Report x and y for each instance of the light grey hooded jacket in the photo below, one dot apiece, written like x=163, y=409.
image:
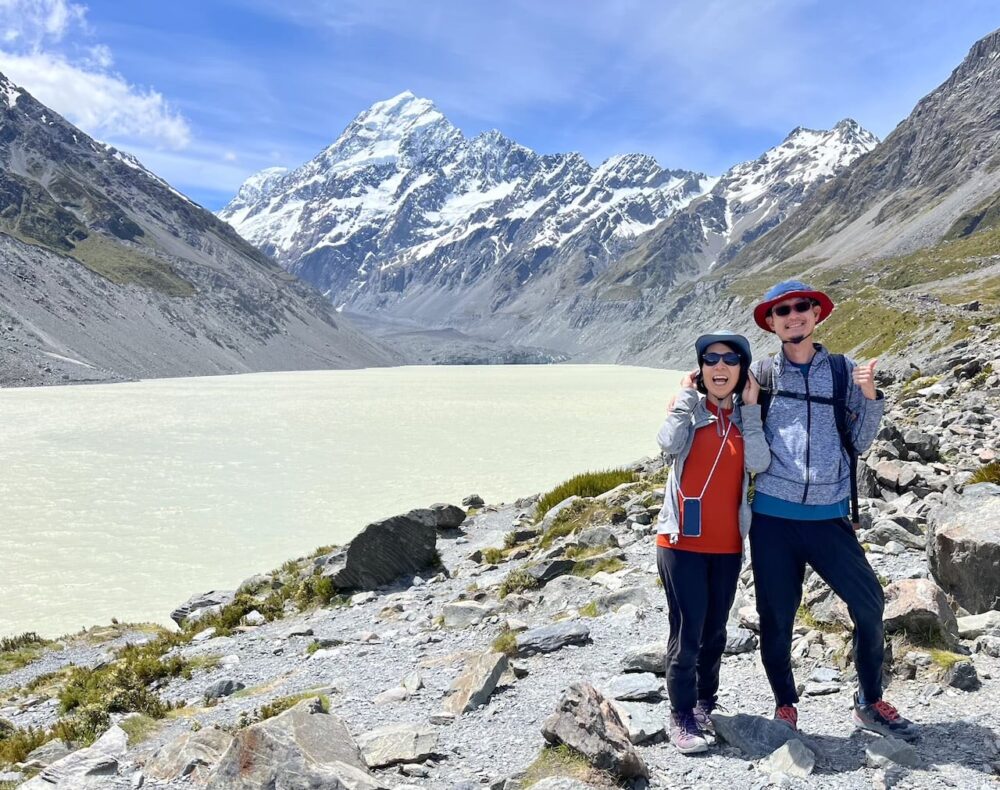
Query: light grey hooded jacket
x=676, y=436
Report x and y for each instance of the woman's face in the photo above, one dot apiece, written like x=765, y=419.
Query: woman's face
x=720, y=378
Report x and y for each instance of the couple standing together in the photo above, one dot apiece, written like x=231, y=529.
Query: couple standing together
x=800, y=434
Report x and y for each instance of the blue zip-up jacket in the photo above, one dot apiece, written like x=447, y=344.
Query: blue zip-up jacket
x=676, y=437
x=809, y=464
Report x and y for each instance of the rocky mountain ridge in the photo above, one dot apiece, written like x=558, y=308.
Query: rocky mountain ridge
x=111, y=274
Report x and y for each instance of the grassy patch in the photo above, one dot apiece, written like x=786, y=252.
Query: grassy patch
x=19, y=651
x=804, y=616
x=506, y=643
x=589, y=610
x=563, y=761
x=139, y=728
x=945, y=658
x=868, y=326
x=979, y=380
x=581, y=514
x=127, y=266
x=278, y=706
x=586, y=569
x=990, y=473
x=588, y=484
x=19, y=743
x=918, y=383
x=516, y=582
x=493, y=556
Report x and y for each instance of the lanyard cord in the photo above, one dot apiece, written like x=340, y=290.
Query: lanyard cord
x=722, y=446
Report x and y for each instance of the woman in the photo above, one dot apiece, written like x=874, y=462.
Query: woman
x=714, y=442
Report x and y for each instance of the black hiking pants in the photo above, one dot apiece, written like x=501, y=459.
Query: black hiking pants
x=780, y=549
x=700, y=590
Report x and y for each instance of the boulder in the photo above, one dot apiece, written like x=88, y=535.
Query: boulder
x=634, y=687
x=924, y=445
x=549, y=638
x=612, y=601
x=976, y=625
x=198, y=606
x=398, y=743
x=963, y=547
x=962, y=675
x=300, y=749
x=884, y=752
x=651, y=657
x=474, y=685
x=191, y=754
x=793, y=758
x=462, y=614
x=223, y=688
x=587, y=721
x=597, y=536
x=555, y=510
x=547, y=570
x=990, y=645
x=755, y=736
x=447, y=516
x=473, y=500
x=642, y=722
x=46, y=754
x=384, y=551
x=920, y=608
x=739, y=640
x=84, y=768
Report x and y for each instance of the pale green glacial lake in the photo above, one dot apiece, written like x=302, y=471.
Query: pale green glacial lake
x=123, y=500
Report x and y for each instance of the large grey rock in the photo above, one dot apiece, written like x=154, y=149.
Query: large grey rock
x=191, y=754
x=384, y=551
x=85, y=768
x=597, y=536
x=473, y=687
x=885, y=531
x=46, y=754
x=963, y=547
x=990, y=645
x=223, y=688
x=398, y=743
x=884, y=752
x=739, y=640
x=755, y=736
x=586, y=721
x=920, y=608
x=650, y=657
x=462, y=614
x=962, y=675
x=550, y=638
x=447, y=516
x=634, y=686
x=925, y=445
x=975, y=625
x=793, y=758
x=550, y=515
x=613, y=601
x=300, y=749
x=642, y=721
x=547, y=570
x=197, y=606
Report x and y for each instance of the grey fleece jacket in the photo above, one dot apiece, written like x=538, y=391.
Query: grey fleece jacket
x=676, y=436
x=808, y=462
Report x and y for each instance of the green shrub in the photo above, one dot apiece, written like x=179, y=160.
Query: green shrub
x=19, y=651
x=510, y=540
x=506, y=643
x=18, y=744
x=139, y=728
x=493, y=556
x=517, y=581
x=990, y=473
x=27, y=639
x=588, y=484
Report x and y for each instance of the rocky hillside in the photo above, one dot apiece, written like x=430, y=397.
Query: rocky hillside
x=407, y=221
x=110, y=274
x=502, y=647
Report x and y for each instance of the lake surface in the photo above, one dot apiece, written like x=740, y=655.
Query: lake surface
x=123, y=500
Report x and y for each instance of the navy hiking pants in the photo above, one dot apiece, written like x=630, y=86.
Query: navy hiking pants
x=700, y=591
x=780, y=549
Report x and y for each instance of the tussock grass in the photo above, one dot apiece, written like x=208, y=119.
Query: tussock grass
x=587, y=569
x=493, y=556
x=990, y=473
x=564, y=761
x=506, y=643
x=589, y=610
x=517, y=581
x=587, y=484
x=281, y=704
x=139, y=728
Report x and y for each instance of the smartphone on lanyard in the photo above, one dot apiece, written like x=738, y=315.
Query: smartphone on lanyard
x=691, y=518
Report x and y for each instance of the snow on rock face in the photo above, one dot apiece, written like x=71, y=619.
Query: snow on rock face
x=9, y=91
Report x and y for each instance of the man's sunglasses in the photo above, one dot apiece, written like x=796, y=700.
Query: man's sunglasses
x=731, y=358
x=799, y=307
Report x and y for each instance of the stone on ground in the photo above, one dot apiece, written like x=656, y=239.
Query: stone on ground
x=793, y=758
x=398, y=743
x=755, y=736
x=473, y=687
x=549, y=638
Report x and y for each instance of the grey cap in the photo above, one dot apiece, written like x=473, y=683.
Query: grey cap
x=733, y=339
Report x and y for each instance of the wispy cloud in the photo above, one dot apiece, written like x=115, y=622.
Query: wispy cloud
x=78, y=80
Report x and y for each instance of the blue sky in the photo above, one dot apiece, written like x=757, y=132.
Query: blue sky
x=206, y=92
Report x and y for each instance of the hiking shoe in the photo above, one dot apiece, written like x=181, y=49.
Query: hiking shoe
x=883, y=718
x=703, y=716
x=788, y=716
x=685, y=733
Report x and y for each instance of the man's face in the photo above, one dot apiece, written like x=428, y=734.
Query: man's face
x=795, y=323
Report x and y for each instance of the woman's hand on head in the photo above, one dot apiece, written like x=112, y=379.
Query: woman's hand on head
x=688, y=382
x=751, y=392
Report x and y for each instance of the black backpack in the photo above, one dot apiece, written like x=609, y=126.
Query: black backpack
x=838, y=367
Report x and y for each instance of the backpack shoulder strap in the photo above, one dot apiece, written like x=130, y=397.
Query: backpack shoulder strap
x=767, y=386
x=841, y=382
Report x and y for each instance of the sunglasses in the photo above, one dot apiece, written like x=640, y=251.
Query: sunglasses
x=799, y=307
x=731, y=358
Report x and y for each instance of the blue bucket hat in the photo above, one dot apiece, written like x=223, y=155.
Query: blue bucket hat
x=740, y=343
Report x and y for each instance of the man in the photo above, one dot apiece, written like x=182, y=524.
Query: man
x=801, y=502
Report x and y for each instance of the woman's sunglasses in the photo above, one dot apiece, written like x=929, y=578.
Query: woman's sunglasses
x=786, y=309
x=731, y=358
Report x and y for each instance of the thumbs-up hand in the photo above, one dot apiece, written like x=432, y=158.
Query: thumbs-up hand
x=864, y=377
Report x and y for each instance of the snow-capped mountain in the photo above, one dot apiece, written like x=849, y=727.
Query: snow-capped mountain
x=402, y=195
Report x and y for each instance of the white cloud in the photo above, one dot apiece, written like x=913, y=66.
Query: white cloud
x=37, y=40
x=31, y=23
x=100, y=102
